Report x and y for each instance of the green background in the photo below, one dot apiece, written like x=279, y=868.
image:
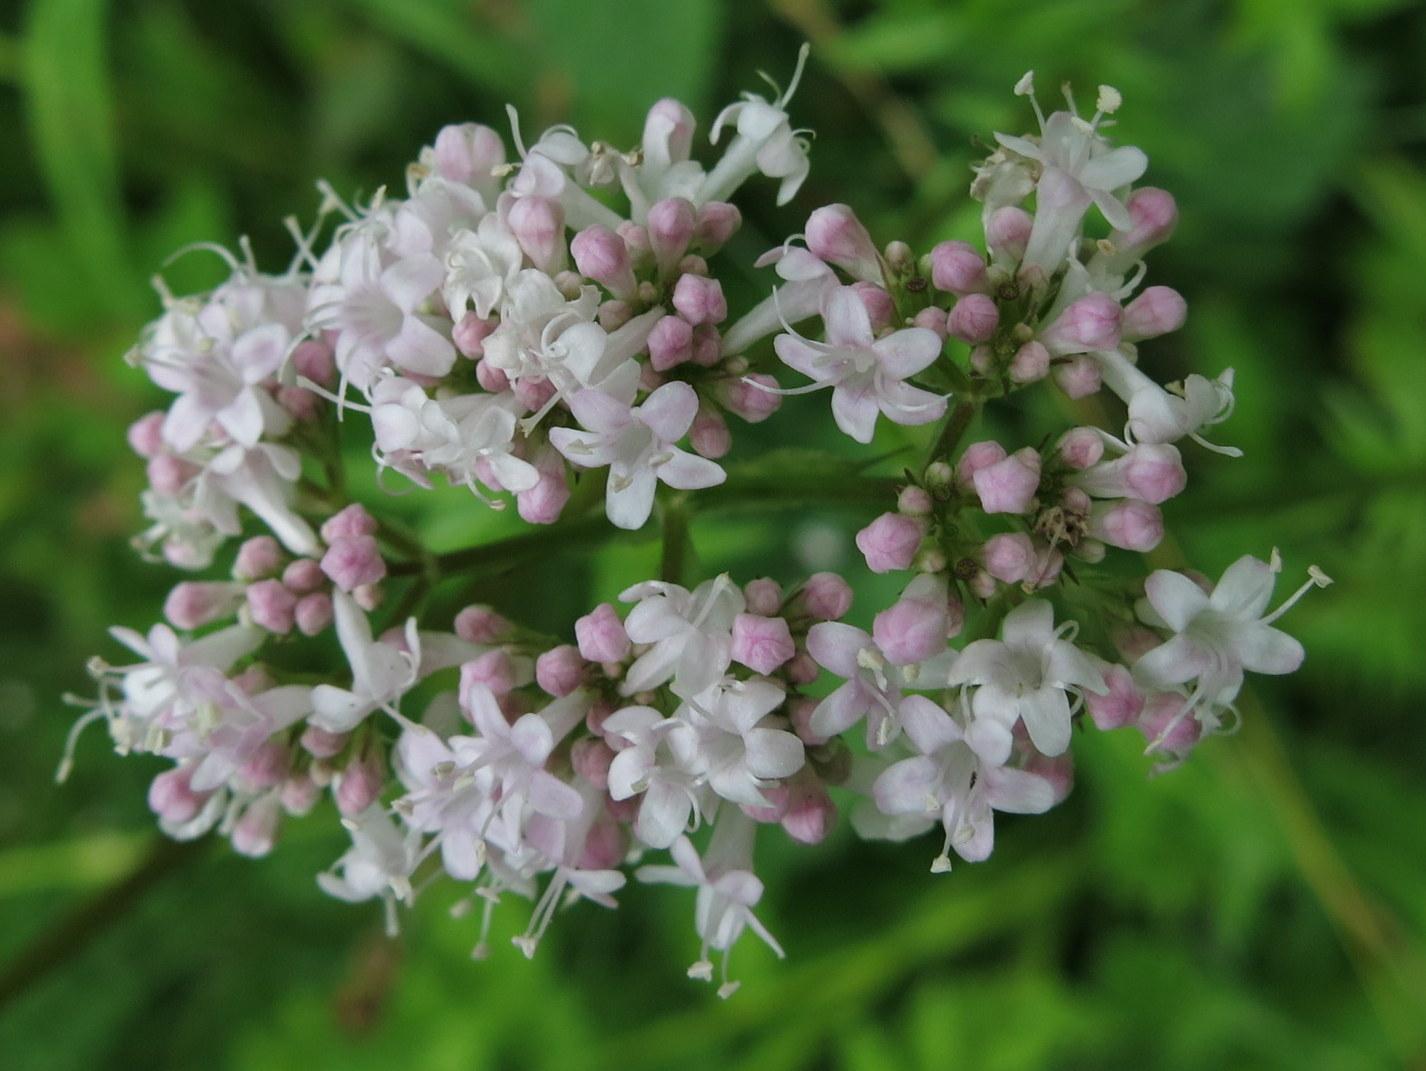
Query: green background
x=1262, y=907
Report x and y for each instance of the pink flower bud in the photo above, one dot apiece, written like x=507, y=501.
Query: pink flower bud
x=826, y=596
x=172, y=798
x=591, y=759
x=709, y=435
x=258, y=557
x=352, y=521
x=313, y=613
x=468, y=152
x=1153, y=472
x=353, y=561
x=1007, y=232
x=777, y=796
x=1091, y=323
x=898, y=257
x=670, y=225
x=1081, y=448
x=255, y=831
x=168, y=474
x=1030, y=364
x=914, y=501
x=932, y=318
x=803, y=668
x=1009, y=557
x=636, y=241
x=481, y=624
x=799, y=712
x=533, y=393
x=369, y=596
x=543, y=503
x=1155, y=215
x=750, y=402
x=321, y=744
x=538, y=225
x=1079, y=377
x=601, y=254
x=493, y=670
x=601, y=635
x=313, y=360
x=1157, y=311
x=810, y=813
x=1058, y=772
x=692, y=264
x=303, y=576
x=271, y=606
x=1128, y=524
x=1009, y=485
x=977, y=457
x=614, y=314
x=1120, y=705
x=973, y=319
x=761, y=643
x=717, y=222
x=958, y=268
x=880, y=309
x=560, y=670
x=834, y=234
x=670, y=342
x=699, y=300
x=299, y=403
x=145, y=435
x=707, y=345
x=763, y=596
x=912, y=629
x=268, y=766
x=299, y=794
x=470, y=333
x=982, y=585
x=890, y=542
x=1160, y=711
x=955, y=616
x=193, y=604
x=359, y=785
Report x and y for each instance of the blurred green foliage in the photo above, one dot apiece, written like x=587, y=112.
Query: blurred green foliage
x=1263, y=907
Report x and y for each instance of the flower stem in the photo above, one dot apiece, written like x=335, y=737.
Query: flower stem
x=957, y=421
x=673, y=561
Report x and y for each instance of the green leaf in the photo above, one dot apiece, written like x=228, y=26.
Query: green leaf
x=66, y=81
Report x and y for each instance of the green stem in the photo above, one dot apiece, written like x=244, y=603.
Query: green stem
x=673, y=561
x=781, y=491
x=952, y=430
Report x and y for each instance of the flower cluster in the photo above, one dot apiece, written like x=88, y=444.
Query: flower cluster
x=505, y=328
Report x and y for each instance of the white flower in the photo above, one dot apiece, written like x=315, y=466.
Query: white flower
x=163, y=692
x=262, y=478
x=637, y=443
x=226, y=732
x=448, y=794
x=381, y=673
x=765, y=142
x=455, y=435
x=1215, y=637
x=1027, y=675
x=950, y=781
x=480, y=267
x=379, y=863
x=872, y=686
x=516, y=755
x=545, y=335
x=1077, y=167
x=647, y=765
x=435, y=213
x=865, y=373
x=722, y=739
x=690, y=634
x=375, y=310
x=728, y=891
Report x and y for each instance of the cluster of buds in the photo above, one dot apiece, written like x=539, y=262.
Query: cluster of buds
x=507, y=330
